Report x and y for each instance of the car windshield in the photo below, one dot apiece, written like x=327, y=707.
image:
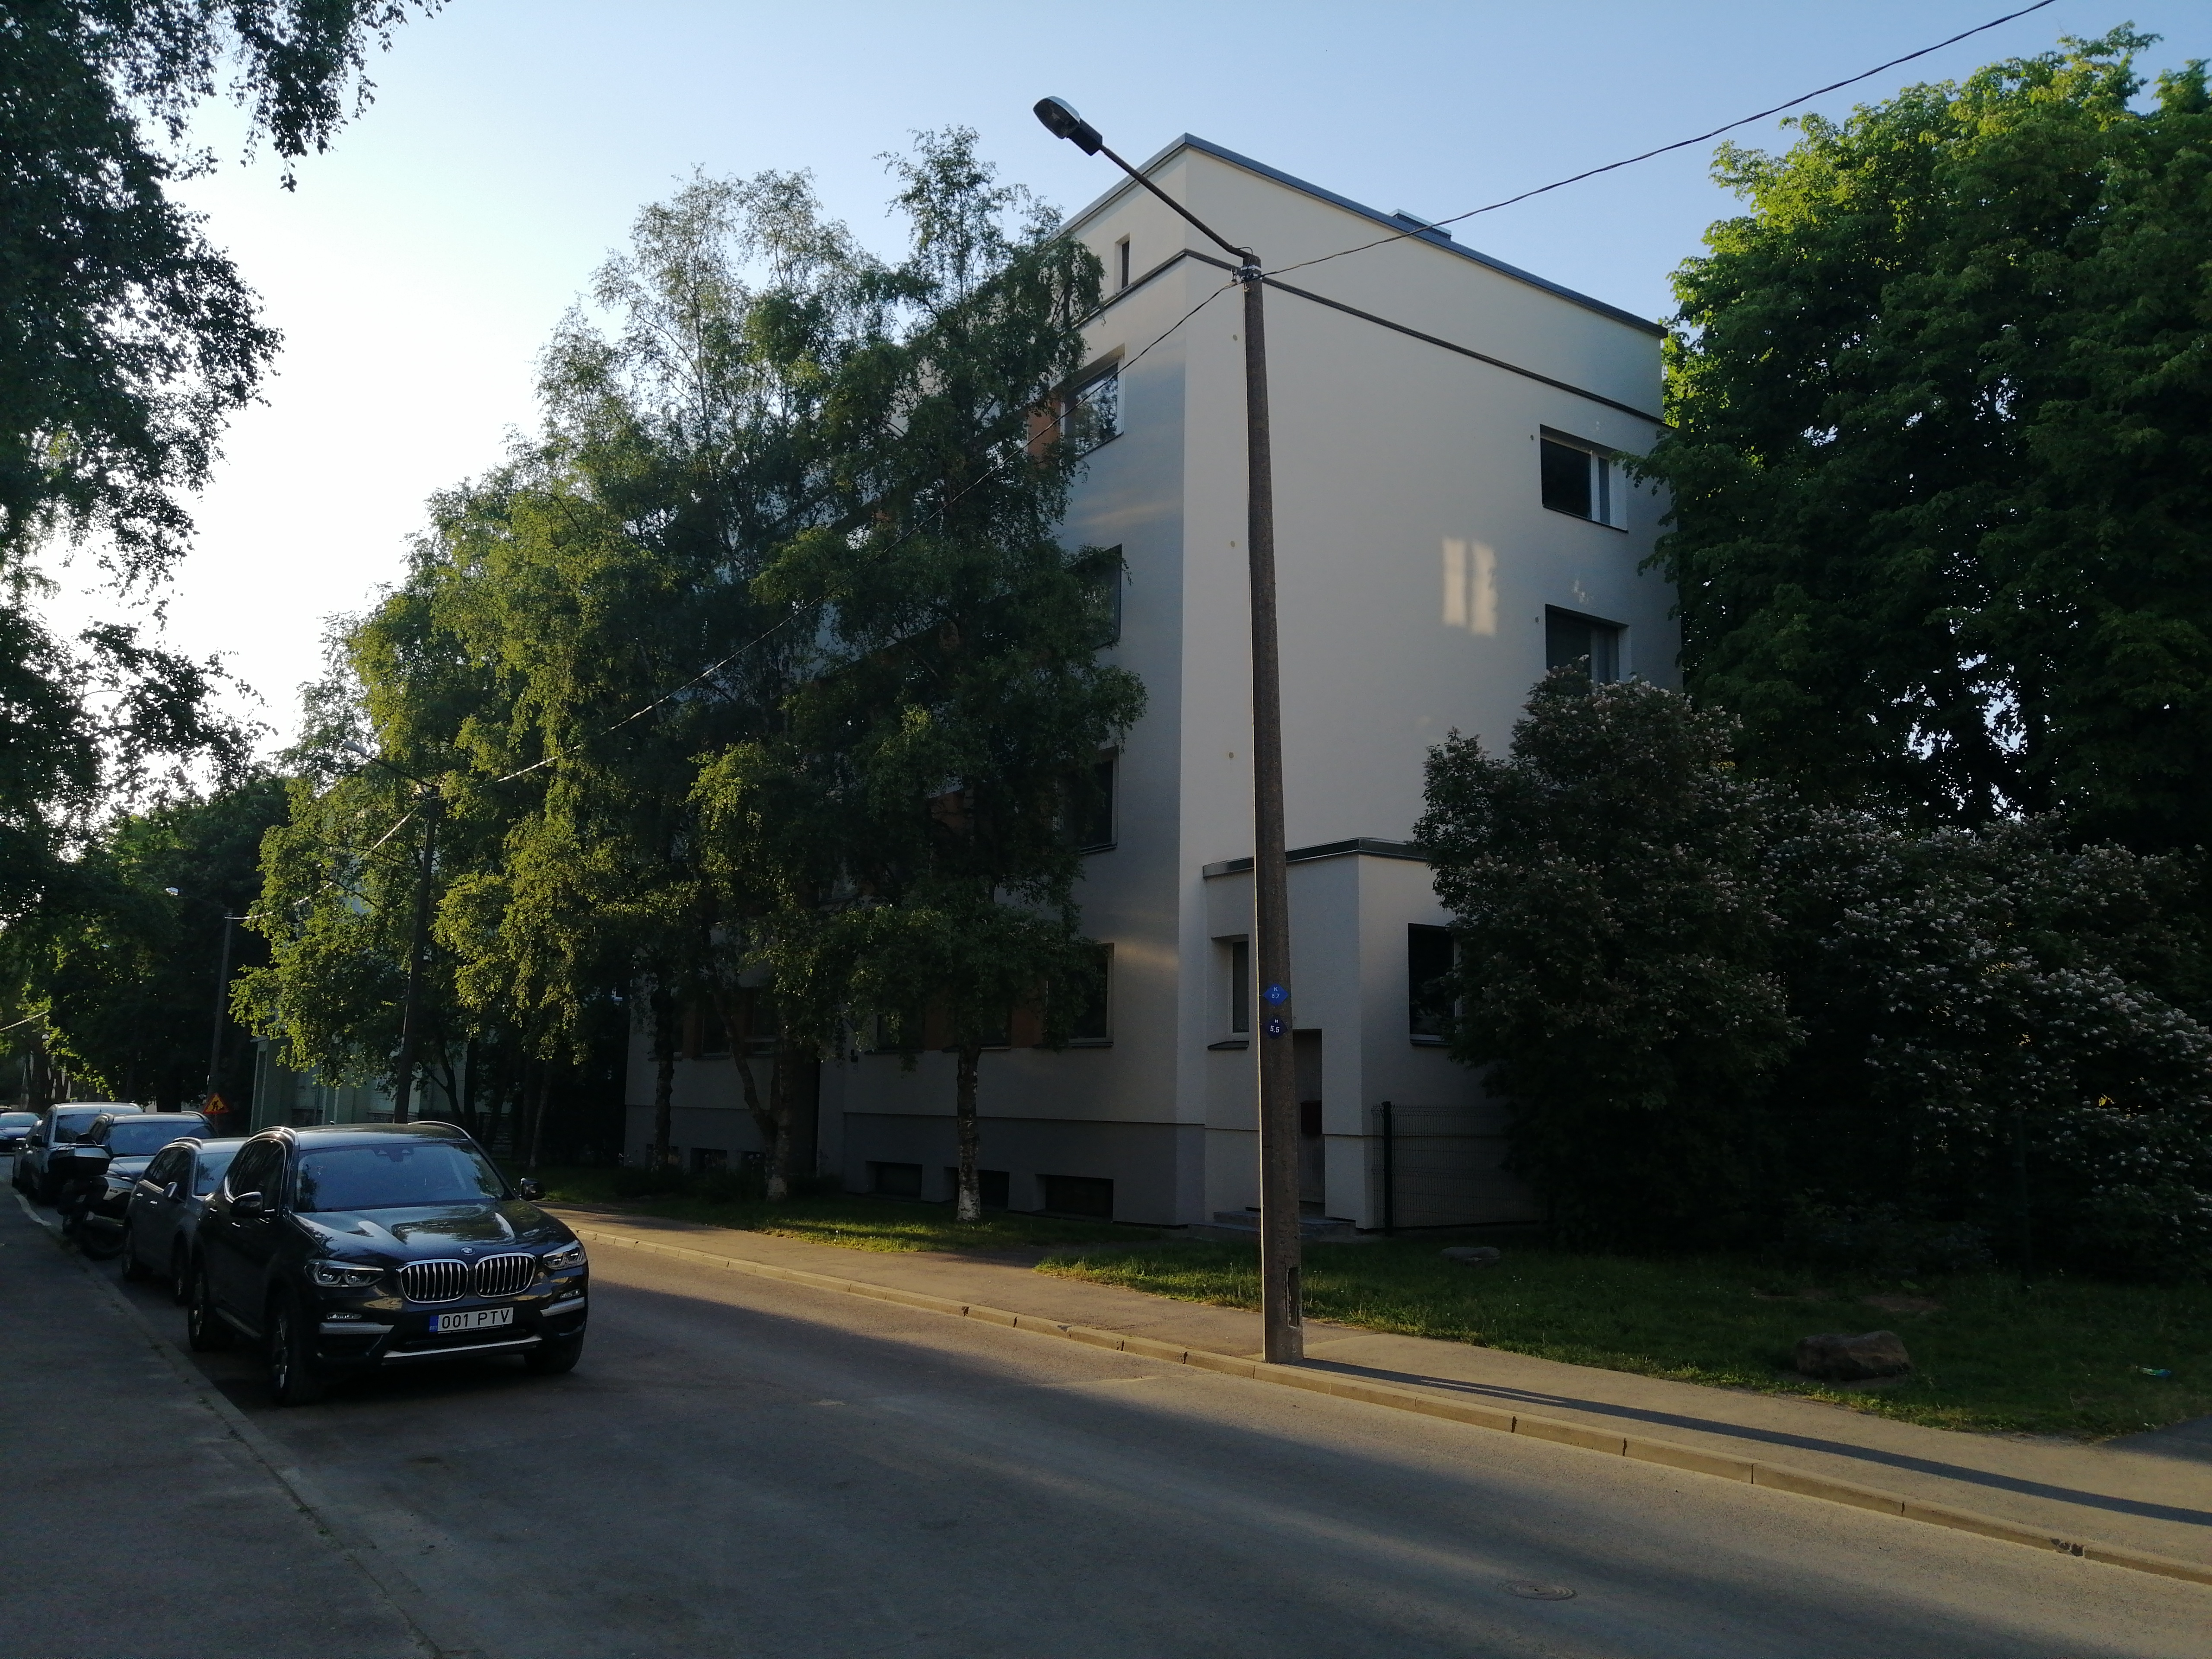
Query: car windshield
x=17, y=1119
x=214, y=1160
x=395, y=1177
x=136, y=1137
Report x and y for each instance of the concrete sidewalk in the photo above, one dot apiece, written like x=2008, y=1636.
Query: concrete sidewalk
x=139, y=1523
x=2152, y=1493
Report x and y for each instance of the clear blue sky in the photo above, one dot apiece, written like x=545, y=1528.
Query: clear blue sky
x=418, y=268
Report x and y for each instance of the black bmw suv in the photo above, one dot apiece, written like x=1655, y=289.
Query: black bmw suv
x=341, y=1249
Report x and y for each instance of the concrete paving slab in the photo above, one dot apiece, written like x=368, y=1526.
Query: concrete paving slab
x=139, y=1525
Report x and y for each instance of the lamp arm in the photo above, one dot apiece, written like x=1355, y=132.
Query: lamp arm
x=1244, y=255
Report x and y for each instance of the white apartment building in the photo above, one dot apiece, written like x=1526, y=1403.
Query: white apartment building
x=1449, y=521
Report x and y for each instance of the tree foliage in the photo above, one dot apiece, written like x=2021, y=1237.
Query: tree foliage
x=126, y=339
x=1615, y=925
x=1942, y=434
x=123, y=981
x=126, y=342
x=754, y=681
x=1712, y=1005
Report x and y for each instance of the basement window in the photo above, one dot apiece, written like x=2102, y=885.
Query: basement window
x=894, y=1180
x=1086, y=1196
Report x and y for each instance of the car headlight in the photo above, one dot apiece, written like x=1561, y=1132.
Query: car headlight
x=338, y=1277
x=568, y=1256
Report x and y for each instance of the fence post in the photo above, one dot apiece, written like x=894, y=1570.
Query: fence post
x=1390, y=1176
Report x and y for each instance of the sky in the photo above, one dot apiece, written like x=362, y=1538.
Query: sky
x=418, y=268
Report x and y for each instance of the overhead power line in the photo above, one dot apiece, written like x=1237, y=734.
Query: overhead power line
x=1680, y=143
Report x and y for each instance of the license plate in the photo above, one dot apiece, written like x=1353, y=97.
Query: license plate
x=476, y=1319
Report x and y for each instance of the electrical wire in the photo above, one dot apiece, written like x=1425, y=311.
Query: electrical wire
x=1680, y=143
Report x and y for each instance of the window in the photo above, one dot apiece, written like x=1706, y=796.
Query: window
x=708, y=1160
x=258, y=1169
x=1089, y=816
x=1578, y=478
x=1093, y=1024
x=757, y=1021
x=1428, y=988
x=1106, y=596
x=712, y=1031
x=1090, y=414
x=1079, y=1195
x=894, y=1180
x=405, y=1174
x=213, y=1161
x=992, y=1186
x=1572, y=639
x=1122, y=264
x=1240, y=986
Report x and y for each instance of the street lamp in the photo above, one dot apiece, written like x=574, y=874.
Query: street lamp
x=1279, y=1313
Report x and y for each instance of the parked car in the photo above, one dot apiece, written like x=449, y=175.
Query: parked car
x=130, y=1139
x=338, y=1251
x=60, y=1126
x=14, y=1129
x=163, y=1213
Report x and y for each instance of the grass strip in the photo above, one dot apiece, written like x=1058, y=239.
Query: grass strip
x=2065, y=1356
x=848, y=1221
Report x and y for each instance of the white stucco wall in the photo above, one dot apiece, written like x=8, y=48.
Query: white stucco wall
x=1415, y=562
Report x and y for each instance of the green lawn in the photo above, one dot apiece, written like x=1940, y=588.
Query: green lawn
x=857, y=1224
x=2063, y=1357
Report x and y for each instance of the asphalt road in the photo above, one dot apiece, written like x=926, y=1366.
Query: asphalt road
x=740, y=1467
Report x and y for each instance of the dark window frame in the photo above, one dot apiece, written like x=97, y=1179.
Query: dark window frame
x=1599, y=490
x=1083, y=394
x=1427, y=1021
x=1604, y=639
x=1240, y=986
x=1094, y=813
x=1103, y=1037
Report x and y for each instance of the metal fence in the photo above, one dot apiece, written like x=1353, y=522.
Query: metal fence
x=1440, y=1166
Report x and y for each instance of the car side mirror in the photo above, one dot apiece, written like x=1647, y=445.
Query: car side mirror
x=249, y=1204
x=529, y=1189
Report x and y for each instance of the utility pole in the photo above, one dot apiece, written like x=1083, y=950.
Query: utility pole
x=410, y=1015
x=1281, y=1316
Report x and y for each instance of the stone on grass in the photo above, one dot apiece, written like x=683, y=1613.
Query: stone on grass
x=1836, y=1358
x=1472, y=1255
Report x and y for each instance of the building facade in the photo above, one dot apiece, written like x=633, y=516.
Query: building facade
x=1451, y=519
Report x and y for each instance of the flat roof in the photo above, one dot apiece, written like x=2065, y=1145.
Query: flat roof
x=1435, y=238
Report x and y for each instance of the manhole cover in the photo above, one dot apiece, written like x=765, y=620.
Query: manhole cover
x=1536, y=1592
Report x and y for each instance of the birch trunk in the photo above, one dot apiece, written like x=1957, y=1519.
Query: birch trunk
x=971, y=1206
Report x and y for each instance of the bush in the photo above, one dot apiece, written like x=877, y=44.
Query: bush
x=1721, y=1015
